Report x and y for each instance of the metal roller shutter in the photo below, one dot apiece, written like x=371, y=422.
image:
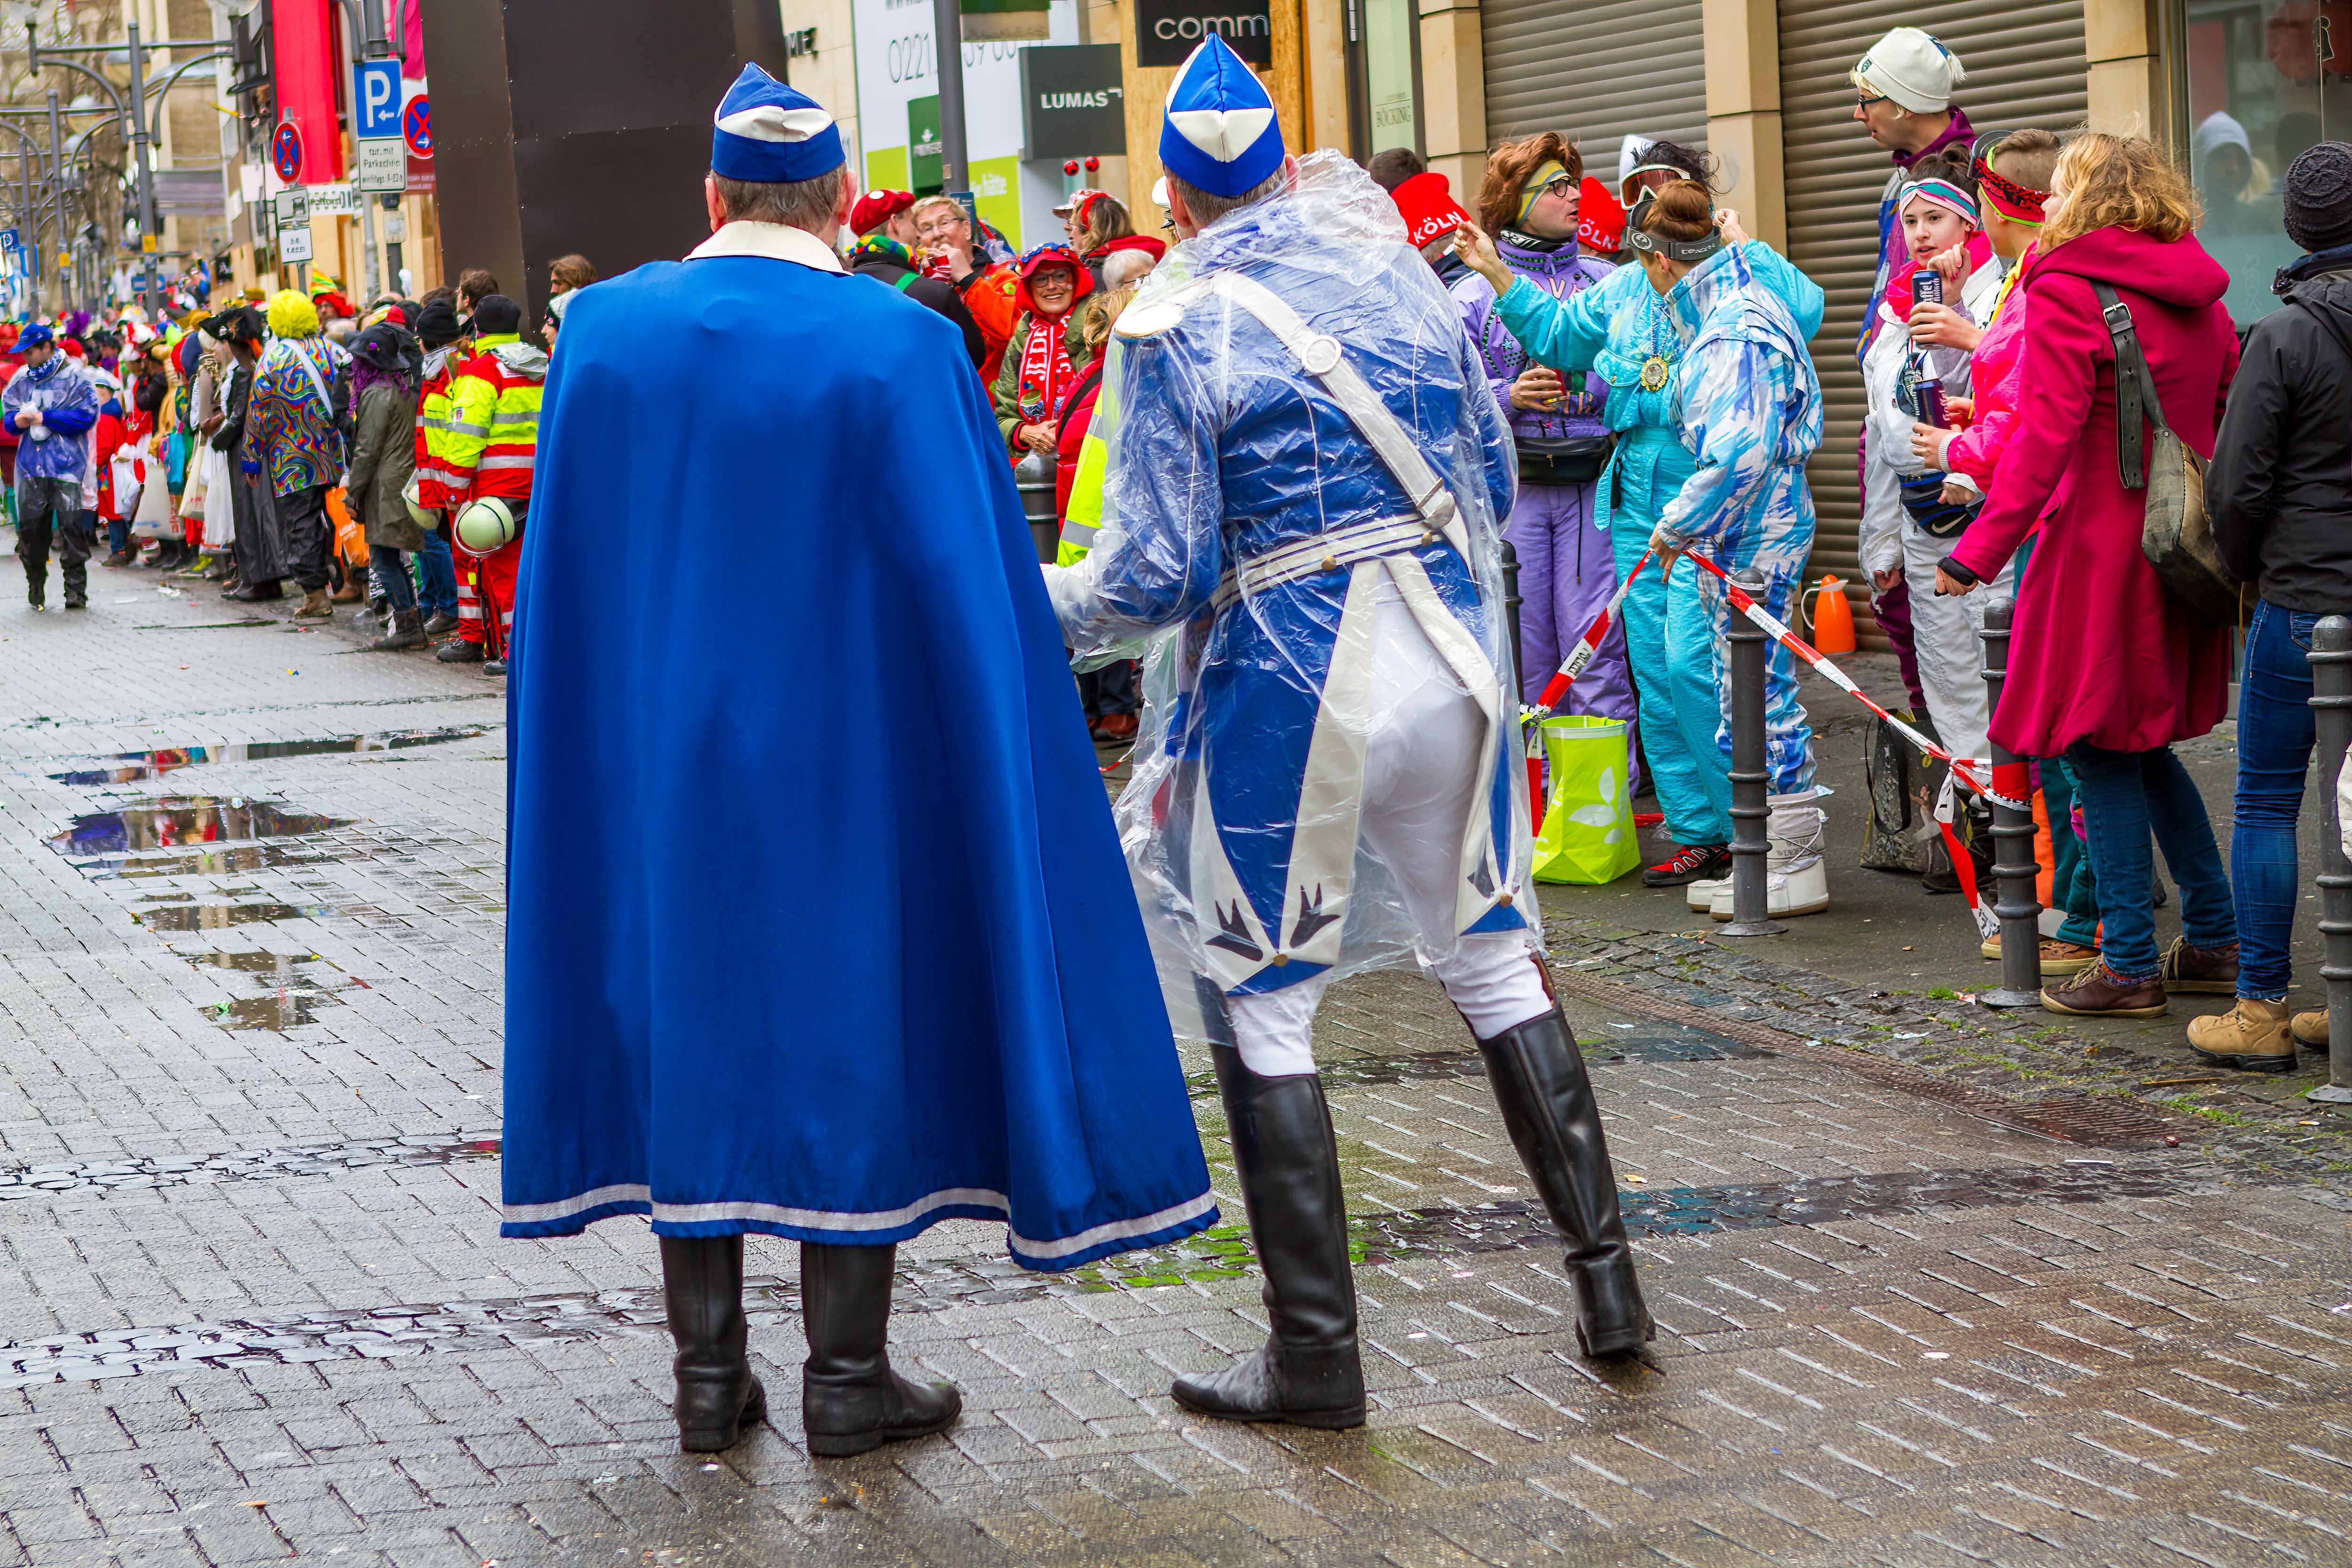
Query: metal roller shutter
x=2025, y=67
x=1595, y=72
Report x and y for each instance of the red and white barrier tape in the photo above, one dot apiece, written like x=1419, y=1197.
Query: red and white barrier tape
x=2008, y=786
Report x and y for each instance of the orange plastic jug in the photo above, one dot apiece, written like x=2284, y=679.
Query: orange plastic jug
x=1830, y=618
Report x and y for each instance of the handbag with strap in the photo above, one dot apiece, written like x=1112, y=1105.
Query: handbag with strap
x=2175, y=535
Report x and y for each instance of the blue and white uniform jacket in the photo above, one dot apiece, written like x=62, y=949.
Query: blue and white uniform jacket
x=58, y=447
x=1749, y=407
x=1298, y=427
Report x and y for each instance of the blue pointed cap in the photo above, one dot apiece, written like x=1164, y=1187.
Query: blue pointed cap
x=1220, y=135
x=772, y=134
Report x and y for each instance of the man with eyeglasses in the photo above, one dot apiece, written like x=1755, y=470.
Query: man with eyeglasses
x=1904, y=100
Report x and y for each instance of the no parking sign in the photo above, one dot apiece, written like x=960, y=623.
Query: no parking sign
x=286, y=151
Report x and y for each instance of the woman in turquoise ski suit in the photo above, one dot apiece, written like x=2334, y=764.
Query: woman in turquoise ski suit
x=1616, y=329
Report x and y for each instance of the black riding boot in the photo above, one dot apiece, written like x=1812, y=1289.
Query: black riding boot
x=850, y=1399
x=1547, y=1102
x=719, y=1400
x=1308, y=1372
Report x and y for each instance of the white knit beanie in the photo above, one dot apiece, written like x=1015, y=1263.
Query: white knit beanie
x=1911, y=68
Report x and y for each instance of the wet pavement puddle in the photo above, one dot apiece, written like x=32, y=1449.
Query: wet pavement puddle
x=168, y=822
x=137, y=767
x=221, y=916
x=101, y=1176
x=1222, y=1253
x=288, y=1003
x=1613, y=1043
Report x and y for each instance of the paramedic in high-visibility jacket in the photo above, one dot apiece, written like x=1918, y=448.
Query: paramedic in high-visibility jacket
x=493, y=442
x=1302, y=472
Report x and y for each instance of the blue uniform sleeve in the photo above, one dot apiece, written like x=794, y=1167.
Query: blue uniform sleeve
x=1800, y=293
x=1566, y=334
x=1732, y=415
x=13, y=398
x=76, y=412
x=1159, y=554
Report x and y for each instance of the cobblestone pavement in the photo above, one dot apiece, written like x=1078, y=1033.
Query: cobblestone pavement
x=1936, y=1286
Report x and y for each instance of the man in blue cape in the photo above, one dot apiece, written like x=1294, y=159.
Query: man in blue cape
x=818, y=925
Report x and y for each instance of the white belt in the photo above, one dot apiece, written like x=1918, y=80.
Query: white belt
x=1322, y=552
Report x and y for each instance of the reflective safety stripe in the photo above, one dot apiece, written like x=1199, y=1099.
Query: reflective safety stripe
x=426, y=422
x=522, y=460
x=464, y=429
x=516, y=416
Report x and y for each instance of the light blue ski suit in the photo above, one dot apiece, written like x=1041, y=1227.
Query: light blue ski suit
x=1615, y=329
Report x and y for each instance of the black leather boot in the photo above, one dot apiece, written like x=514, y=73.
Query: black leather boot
x=1308, y=1373
x=719, y=1400
x=1547, y=1102
x=851, y=1401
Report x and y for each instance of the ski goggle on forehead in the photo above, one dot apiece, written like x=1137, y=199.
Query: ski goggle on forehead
x=1698, y=249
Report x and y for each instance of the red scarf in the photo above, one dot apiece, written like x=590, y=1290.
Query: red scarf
x=1045, y=367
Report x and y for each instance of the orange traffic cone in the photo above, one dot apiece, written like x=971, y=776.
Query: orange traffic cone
x=1832, y=620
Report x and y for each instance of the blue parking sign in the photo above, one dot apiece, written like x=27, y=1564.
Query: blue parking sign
x=376, y=100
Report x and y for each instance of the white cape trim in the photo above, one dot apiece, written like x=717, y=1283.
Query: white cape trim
x=776, y=241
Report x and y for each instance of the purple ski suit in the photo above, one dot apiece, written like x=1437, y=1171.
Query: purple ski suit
x=1567, y=569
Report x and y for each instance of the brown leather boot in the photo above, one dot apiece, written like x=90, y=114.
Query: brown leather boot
x=316, y=606
x=2208, y=969
x=2310, y=1030
x=2249, y=1037
x=2100, y=993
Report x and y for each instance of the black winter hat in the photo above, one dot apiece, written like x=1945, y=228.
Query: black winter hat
x=2319, y=196
x=498, y=314
x=436, y=324
x=386, y=347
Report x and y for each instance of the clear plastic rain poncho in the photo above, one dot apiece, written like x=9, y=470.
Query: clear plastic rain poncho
x=1303, y=477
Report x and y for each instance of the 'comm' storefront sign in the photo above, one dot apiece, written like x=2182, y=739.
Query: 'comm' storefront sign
x=1166, y=31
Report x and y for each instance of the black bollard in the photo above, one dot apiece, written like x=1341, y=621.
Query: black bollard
x=2331, y=702
x=1750, y=780
x=1033, y=476
x=2016, y=902
x=1511, y=603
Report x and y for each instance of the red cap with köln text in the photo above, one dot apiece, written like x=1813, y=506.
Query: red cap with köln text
x=1429, y=208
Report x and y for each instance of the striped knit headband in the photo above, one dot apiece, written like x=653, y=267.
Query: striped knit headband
x=2018, y=204
x=1536, y=183
x=1942, y=194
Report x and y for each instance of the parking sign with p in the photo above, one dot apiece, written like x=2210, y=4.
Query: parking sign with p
x=376, y=100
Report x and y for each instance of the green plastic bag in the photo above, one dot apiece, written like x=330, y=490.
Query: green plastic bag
x=1588, y=823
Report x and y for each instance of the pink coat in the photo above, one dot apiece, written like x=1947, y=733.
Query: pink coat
x=2102, y=651
x=1995, y=370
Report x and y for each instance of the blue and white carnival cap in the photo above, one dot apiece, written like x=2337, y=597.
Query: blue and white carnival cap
x=771, y=134
x=1220, y=135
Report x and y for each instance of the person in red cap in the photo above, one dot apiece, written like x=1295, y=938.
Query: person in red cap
x=1036, y=369
x=1431, y=215
x=892, y=212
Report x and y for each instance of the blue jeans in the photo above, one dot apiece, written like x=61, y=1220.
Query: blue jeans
x=390, y=569
x=2275, y=740
x=439, y=575
x=2124, y=796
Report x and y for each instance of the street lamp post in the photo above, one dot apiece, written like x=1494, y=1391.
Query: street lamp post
x=150, y=234
x=947, y=33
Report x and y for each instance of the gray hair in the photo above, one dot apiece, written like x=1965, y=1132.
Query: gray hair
x=1207, y=209
x=798, y=203
x=1122, y=267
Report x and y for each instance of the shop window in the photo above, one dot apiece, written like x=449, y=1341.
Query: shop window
x=1384, y=75
x=2265, y=81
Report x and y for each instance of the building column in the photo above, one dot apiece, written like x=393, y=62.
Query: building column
x=2127, y=82
x=1453, y=94
x=1743, y=112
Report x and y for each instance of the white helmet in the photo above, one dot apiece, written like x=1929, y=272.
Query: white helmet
x=485, y=525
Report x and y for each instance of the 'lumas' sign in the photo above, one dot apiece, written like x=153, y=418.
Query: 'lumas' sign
x=1072, y=102
x=1166, y=31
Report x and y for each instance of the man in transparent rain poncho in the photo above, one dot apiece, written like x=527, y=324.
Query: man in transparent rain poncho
x=1300, y=474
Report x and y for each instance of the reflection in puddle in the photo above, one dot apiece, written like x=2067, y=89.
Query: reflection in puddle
x=204, y=862
x=170, y=822
x=287, y=1005
x=220, y=917
x=134, y=767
